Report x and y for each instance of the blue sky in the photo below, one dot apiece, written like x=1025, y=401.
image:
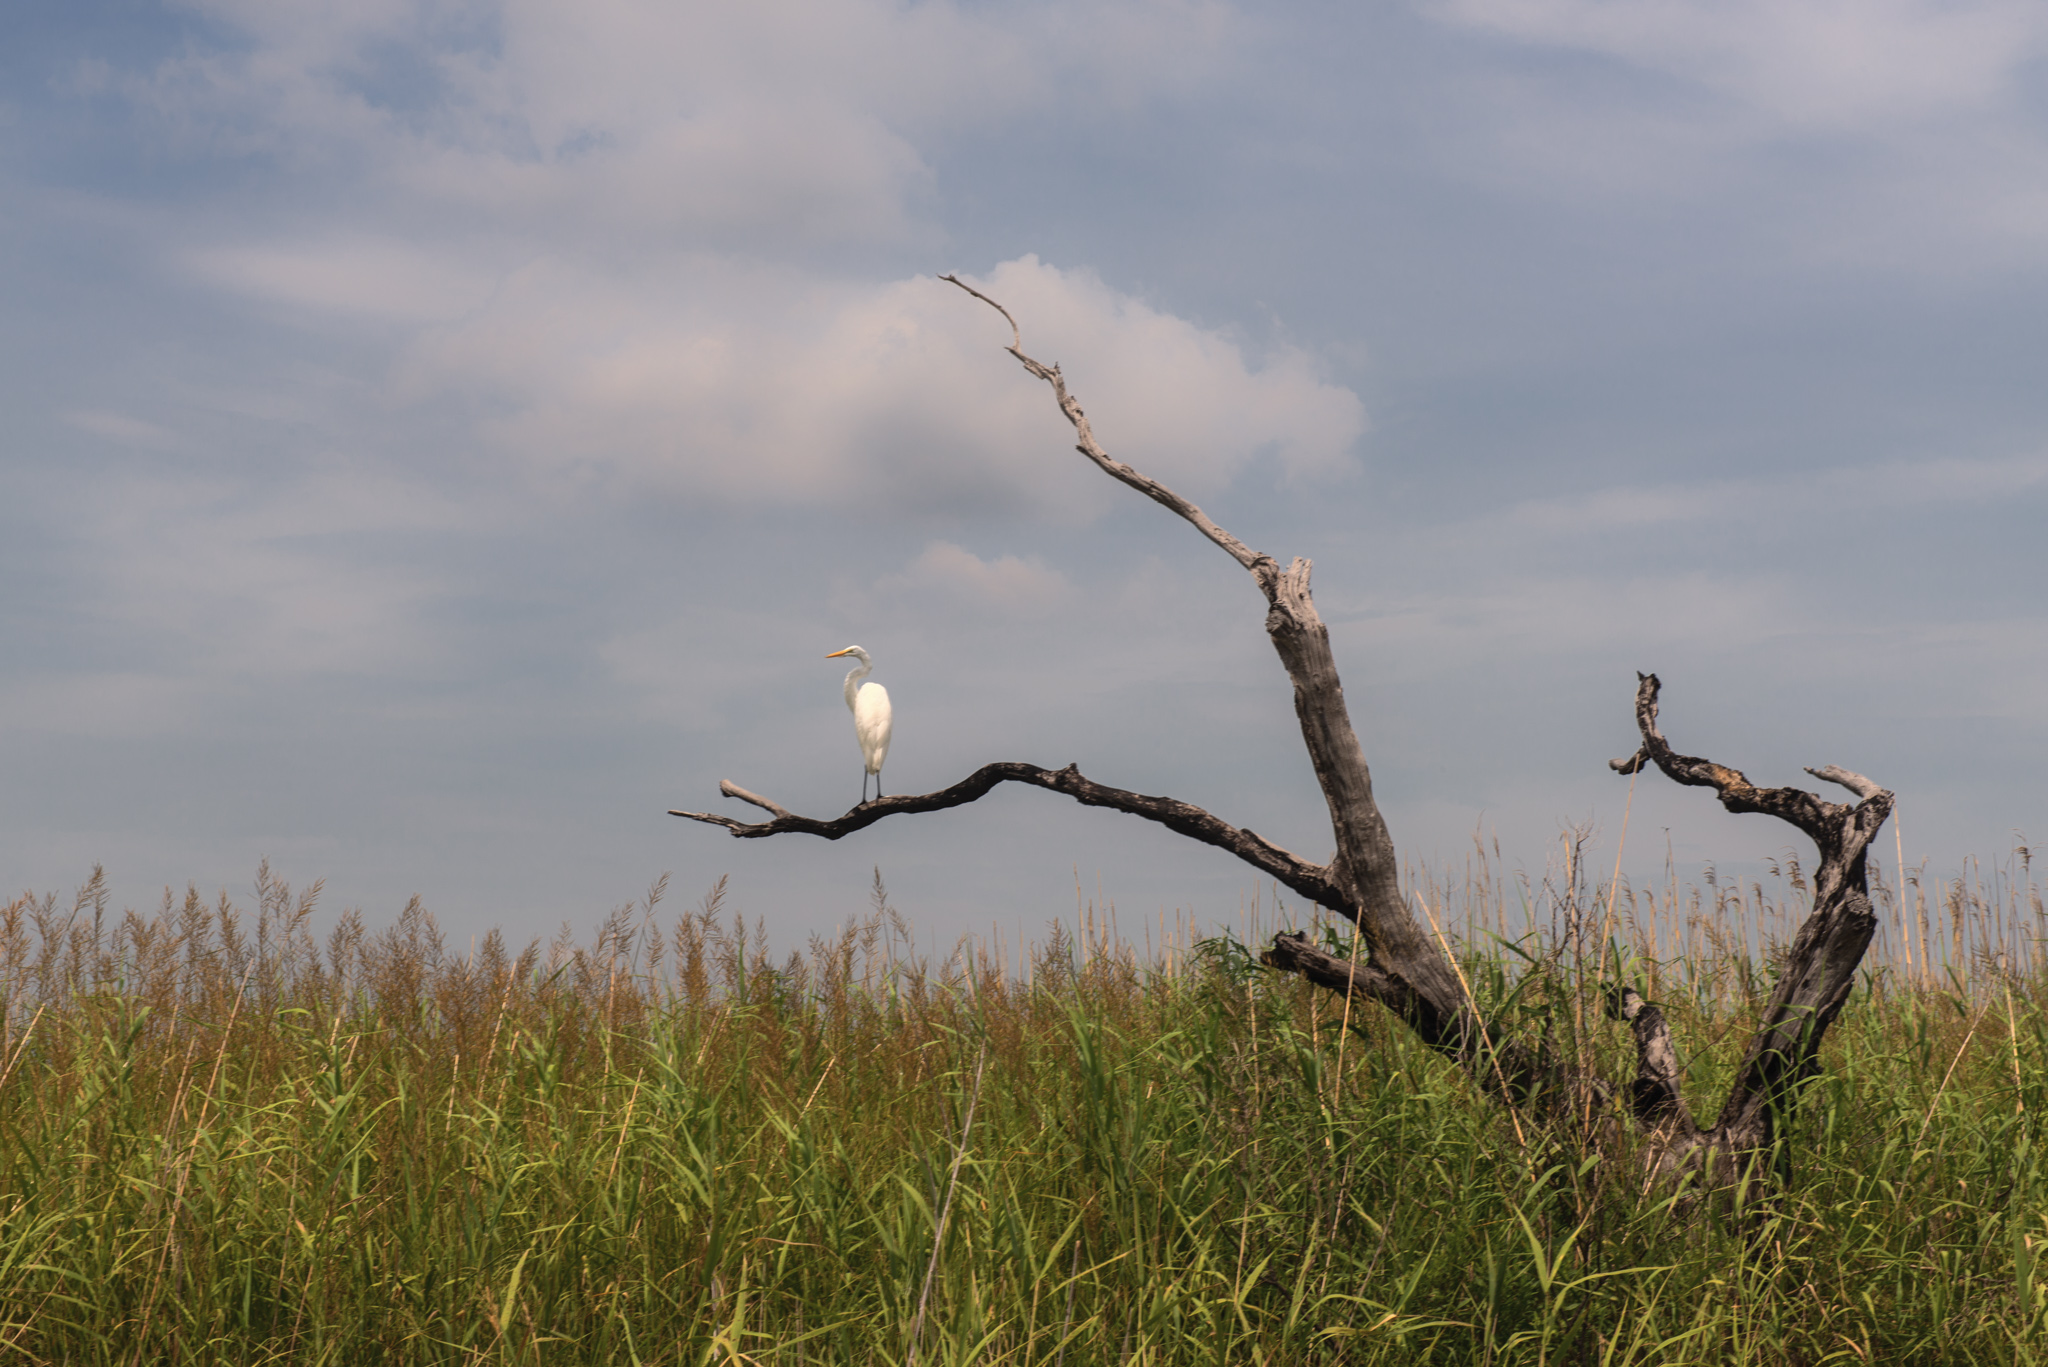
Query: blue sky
x=443, y=437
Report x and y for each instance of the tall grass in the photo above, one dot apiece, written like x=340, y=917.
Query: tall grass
x=221, y=1141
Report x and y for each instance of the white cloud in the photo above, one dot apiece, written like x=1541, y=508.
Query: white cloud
x=104, y=704
x=791, y=172
x=268, y=609
x=209, y=579
x=1956, y=479
x=1008, y=586
x=1823, y=64
x=367, y=276
x=760, y=387
x=585, y=221
x=1810, y=497
x=119, y=427
x=1531, y=617
x=1893, y=136
x=791, y=121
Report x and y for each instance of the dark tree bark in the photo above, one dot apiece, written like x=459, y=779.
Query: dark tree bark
x=1310, y=880
x=1406, y=971
x=1813, y=983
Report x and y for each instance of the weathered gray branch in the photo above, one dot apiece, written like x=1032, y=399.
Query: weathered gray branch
x=1819, y=968
x=1312, y=881
x=731, y=789
x=1262, y=566
x=1364, y=868
x=1847, y=778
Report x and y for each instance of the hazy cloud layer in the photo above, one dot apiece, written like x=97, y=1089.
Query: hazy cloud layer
x=446, y=435
x=1903, y=133
x=864, y=398
x=1822, y=66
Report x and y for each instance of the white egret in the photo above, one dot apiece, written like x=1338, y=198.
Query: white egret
x=869, y=704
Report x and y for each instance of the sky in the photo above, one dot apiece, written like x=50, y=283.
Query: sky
x=443, y=437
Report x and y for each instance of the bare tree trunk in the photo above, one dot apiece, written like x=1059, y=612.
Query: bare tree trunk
x=1406, y=971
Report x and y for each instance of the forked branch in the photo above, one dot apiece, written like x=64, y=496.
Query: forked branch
x=1738, y=794
x=1820, y=965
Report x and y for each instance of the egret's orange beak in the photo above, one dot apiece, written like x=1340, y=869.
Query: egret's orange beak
x=837, y=653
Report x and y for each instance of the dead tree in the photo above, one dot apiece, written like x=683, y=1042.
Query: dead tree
x=1813, y=983
x=1404, y=969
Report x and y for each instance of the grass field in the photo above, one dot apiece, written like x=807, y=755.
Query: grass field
x=221, y=1141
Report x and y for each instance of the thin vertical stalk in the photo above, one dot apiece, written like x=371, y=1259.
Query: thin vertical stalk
x=1485, y=1039
x=946, y=1208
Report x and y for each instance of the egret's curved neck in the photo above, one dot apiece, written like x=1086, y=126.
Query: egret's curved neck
x=854, y=676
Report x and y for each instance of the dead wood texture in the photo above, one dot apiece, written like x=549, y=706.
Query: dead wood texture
x=1360, y=881
x=1814, y=980
x=1309, y=880
x=1406, y=970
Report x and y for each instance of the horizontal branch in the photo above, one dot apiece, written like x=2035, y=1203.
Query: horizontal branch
x=1295, y=953
x=1313, y=881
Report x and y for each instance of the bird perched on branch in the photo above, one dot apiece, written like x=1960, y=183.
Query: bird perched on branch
x=869, y=703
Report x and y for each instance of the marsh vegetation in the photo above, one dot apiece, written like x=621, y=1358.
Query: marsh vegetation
x=224, y=1141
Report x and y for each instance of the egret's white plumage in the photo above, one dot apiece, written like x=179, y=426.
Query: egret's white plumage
x=869, y=703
